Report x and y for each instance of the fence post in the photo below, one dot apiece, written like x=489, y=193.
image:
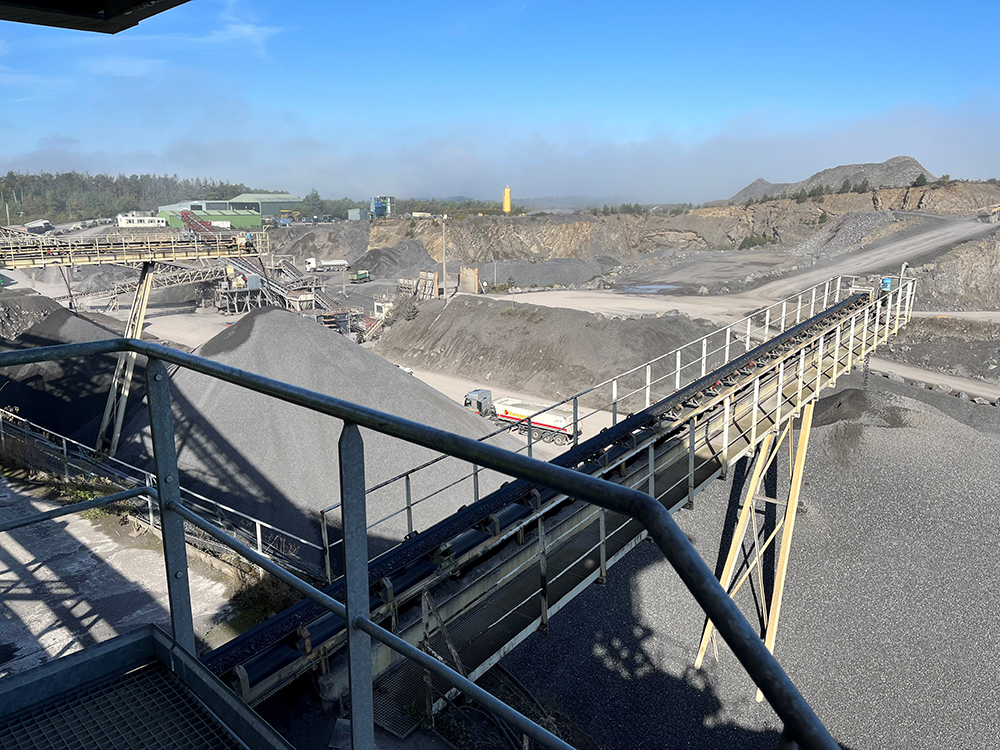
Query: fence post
x=726, y=353
x=475, y=482
x=576, y=421
x=649, y=381
x=602, y=523
x=704, y=356
x=161, y=424
x=614, y=401
x=325, y=534
x=812, y=303
x=409, y=506
x=359, y=645
x=691, y=438
x=677, y=372
x=725, y=436
x=543, y=573
x=260, y=538
x=749, y=323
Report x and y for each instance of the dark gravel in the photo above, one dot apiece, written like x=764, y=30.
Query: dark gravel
x=889, y=620
x=278, y=462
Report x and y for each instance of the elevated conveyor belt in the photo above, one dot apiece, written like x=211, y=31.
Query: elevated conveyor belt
x=672, y=450
x=27, y=251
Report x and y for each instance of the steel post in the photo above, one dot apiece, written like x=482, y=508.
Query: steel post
x=677, y=372
x=819, y=364
x=753, y=414
x=812, y=303
x=475, y=483
x=826, y=294
x=725, y=436
x=836, y=354
x=359, y=645
x=325, y=534
x=747, y=342
x=614, y=401
x=576, y=421
x=649, y=382
x=409, y=506
x=780, y=392
x=161, y=424
x=691, y=483
x=543, y=574
x=704, y=356
x=784, y=304
x=602, y=525
x=529, y=437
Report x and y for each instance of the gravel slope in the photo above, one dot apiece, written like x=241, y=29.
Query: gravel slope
x=890, y=616
x=278, y=462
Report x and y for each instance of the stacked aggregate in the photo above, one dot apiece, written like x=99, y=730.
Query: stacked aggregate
x=66, y=396
x=889, y=616
x=21, y=309
x=847, y=232
x=551, y=351
x=279, y=463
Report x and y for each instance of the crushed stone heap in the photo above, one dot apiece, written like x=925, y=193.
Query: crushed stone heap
x=278, y=462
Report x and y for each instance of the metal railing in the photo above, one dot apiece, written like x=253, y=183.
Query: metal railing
x=633, y=389
x=77, y=459
x=801, y=723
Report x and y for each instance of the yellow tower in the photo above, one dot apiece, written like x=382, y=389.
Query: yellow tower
x=506, y=200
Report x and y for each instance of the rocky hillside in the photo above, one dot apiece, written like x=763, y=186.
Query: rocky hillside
x=967, y=277
x=622, y=237
x=899, y=171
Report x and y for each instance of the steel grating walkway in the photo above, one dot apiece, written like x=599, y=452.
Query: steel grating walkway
x=146, y=708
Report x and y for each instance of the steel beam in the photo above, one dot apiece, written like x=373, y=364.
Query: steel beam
x=161, y=425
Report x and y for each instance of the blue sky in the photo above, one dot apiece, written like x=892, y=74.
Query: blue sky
x=653, y=102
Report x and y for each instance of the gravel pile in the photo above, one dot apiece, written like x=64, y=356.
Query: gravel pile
x=41, y=392
x=551, y=351
x=404, y=260
x=20, y=309
x=278, y=462
x=889, y=619
x=845, y=233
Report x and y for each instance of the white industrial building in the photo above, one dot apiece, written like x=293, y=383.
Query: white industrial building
x=133, y=220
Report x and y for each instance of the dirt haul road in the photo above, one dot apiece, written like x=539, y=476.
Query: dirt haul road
x=887, y=256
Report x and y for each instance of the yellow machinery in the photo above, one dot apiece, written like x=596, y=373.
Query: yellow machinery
x=990, y=215
x=506, y=200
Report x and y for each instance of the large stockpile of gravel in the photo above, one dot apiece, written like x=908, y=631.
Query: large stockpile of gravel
x=21, y=309
x=66, y=396
x=404, y=260
x=851, y=232
x=889, y=622
x=278, y=462
x=549, y=351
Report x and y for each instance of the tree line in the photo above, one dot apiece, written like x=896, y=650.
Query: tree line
x=75, y=196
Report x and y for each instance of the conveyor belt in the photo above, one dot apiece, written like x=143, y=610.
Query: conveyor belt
x=406, y=564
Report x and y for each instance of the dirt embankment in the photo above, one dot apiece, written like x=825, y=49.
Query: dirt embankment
x=553, y=352
x=967, y=277
x=967, y=348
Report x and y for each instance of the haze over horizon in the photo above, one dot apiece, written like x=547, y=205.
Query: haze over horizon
x=655, y=104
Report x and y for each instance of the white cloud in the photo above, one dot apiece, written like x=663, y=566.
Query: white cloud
x=474, y=160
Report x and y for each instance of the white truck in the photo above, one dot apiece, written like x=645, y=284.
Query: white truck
x=553, y=426
x=326, y=265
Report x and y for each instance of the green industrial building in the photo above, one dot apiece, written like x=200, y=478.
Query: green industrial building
x=236, y=219
x=266, y=204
